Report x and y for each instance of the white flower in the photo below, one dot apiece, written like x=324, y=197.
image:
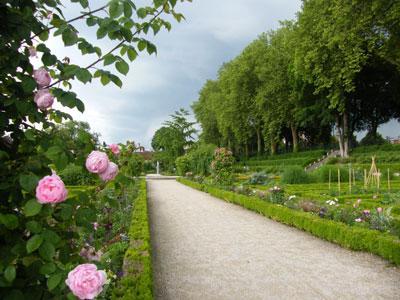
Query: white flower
x=292, y=197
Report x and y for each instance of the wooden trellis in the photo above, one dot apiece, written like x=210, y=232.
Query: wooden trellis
x=373, y=177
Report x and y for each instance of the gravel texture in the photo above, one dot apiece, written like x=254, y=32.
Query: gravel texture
x=205, y=248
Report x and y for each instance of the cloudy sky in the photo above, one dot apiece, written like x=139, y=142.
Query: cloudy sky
x=192, y=52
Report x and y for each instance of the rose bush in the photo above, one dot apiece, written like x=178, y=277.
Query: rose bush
x=40, y=243
x=222, y=166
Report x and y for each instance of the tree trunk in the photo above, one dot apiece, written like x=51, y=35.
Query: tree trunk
x=340, y=135
x=273, y=148
x=346, y=134
x=295, y=138
x=246, y=150
x=259, y=141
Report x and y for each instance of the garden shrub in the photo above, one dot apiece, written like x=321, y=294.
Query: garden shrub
x=356, y=238
x=197, y=160
x=222, y=166
x=182, y=165
x=137, y=280
x=322, y=174
x=295, y=175
x=373, y=139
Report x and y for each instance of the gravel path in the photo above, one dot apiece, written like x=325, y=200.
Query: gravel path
x=205, y=248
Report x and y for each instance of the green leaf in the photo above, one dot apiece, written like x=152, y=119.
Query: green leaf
x=47, y=269
x=47, y=251
x=151, y=48
x=28, y=84
x=141, y=13
x=9, y=220
x=42, y=48
x=44, y=36
x=9, y=273
x=116, y=80
x=53, y=153
x=142, y=45
x=66, y=211
x=71, y=296
x=69, y=37
x=34, y=243
x=132, y=54
x=127, y=10
x=84, y=3
x=122, y=67
x=33, y=227
x=172, y=2
x=32, y=208
x=91, y=21
x=158, y=3
x=109, y=59
x=30, y=135
x=84, y=75
x=51, y=236
x=53, y=281
x=104, y=79
x=49, y=59
x=28, y=181
x=101, y=32
x=115, y=9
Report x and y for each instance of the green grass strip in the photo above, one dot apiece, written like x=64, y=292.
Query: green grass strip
x=355, y=238
x=137, y=282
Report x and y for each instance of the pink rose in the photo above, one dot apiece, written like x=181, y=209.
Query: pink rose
x=110, y=172
x=85, y=281
x=43, y=99
x=51, y=189
x=379, y=210
x=114, y=149
x=42, y=77
x=97, y=162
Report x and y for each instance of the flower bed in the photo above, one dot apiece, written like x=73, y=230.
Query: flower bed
x=355, y=238
x=137, y=282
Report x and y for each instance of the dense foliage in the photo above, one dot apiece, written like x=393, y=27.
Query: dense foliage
x=41, y=243
x=337, y=66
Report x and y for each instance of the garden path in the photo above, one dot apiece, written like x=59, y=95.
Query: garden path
x=205, y=248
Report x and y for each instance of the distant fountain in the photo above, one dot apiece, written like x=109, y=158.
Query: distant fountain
x=158, y=168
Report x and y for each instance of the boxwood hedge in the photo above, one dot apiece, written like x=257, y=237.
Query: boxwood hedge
x=137, y=281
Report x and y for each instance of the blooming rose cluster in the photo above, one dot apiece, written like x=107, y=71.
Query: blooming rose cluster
x=43, y=98
x=51, y=189
x=85, y=281
x=98, y=163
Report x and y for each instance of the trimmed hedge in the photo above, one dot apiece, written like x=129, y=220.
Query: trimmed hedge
x=137, y=282
x=355, y=238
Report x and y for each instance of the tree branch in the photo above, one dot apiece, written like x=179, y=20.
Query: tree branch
x=69, y=21
x=111, y=51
